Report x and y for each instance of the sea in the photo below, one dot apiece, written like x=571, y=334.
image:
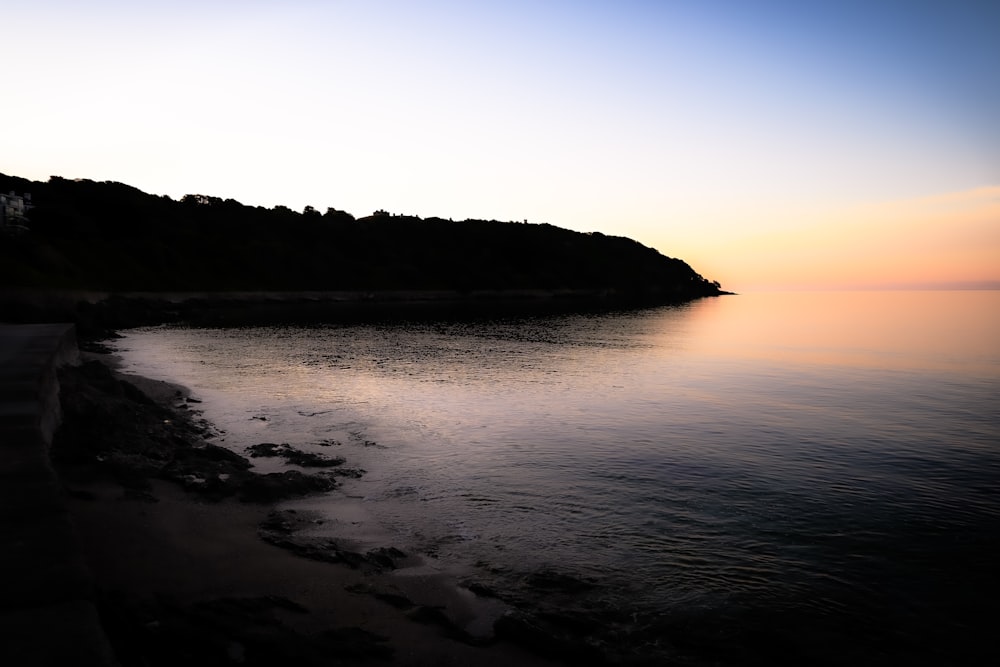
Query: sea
x=807, y=478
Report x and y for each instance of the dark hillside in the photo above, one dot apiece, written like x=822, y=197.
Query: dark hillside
x=92, y=235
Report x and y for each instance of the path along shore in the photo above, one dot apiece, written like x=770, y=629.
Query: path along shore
x=47, y=611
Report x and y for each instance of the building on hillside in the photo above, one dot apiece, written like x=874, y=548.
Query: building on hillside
x=13, y=210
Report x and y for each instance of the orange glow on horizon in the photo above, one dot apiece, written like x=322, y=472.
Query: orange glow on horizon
x=944, y=240
x=816, y=331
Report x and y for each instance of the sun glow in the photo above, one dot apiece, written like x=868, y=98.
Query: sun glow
x=950, y=240
x=748, y=142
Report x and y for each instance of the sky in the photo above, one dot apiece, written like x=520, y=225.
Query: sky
x=771, y=144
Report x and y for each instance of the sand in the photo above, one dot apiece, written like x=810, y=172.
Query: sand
x=185, y=580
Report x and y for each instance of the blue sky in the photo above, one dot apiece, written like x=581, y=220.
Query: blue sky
x=709, y=130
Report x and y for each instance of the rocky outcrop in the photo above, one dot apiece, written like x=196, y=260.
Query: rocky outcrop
x=284, y=529
x=117, y=430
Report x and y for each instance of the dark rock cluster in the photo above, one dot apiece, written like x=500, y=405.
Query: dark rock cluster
x=284, y=529
x=294, y=456
x=113, y=427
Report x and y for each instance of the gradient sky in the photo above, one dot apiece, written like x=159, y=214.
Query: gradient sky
x=770, y=144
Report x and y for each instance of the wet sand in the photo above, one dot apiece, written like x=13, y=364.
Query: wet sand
x=184, y=578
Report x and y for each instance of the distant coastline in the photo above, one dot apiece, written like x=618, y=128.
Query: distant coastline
x=105, y=237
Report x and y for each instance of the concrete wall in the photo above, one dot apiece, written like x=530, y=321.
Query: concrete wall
x=47, y=613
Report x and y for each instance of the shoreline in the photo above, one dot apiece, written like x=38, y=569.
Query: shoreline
x=186, y=571
x=97, y=314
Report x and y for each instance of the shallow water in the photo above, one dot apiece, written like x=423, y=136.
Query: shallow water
x=822, y=468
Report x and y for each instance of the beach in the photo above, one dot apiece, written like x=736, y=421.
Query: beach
x=192, y=564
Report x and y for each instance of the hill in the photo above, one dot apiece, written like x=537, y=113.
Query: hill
x=88, y=235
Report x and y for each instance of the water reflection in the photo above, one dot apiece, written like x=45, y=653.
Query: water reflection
x=900, y=330
x=820, y=454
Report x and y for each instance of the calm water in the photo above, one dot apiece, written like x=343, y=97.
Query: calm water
x=804, y=476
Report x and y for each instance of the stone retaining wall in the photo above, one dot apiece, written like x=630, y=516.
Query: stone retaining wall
x=47, y=613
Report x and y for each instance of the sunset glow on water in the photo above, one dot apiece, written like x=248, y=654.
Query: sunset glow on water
x=813, y=460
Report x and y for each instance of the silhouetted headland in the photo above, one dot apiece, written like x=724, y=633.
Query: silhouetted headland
x=177, y=258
